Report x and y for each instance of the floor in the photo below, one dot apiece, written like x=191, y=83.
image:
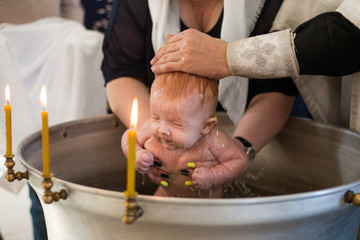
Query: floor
x=15, y=217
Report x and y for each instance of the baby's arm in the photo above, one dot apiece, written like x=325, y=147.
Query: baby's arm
x=233, y=162
x=144, y=158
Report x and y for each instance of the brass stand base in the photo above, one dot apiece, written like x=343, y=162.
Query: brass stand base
x=11, y=175
x=50, y=196
x=132, y=211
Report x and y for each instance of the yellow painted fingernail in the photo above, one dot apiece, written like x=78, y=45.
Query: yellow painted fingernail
x=190, y=165
x=164, y=183
x=216, y=119
x=189, y=183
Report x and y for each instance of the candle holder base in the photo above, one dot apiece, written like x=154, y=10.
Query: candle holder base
x=11, y=175
x=50, y=196
x=132, y=210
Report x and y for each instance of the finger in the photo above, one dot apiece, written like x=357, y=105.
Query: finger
x=175, y=56
x=155, y=179
x=195, y=164
x=168, y=47
x=157, y=175
x=167, y=67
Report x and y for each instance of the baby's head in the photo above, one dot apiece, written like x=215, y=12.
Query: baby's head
x=182, y=108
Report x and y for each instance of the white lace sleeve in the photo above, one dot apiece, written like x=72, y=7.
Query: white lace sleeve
x=265, y=56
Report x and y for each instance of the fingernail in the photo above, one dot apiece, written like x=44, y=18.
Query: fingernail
x=185, y=172
x=157, y=163
x=164, y=183
x=153, y=68
x=152, y=61
x=216, y=119
x=190, y=165
x=163, y=175
x=189, y=183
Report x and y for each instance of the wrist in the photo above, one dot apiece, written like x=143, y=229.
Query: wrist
x=249, y=149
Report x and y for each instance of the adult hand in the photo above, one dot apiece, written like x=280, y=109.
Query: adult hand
x=194, y=52
x=157, y=175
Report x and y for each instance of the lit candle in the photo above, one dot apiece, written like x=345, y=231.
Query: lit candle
x=131, y=159
x=45, y=133
x=7, y=110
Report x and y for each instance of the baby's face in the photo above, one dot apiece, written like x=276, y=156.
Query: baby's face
x=177, y=124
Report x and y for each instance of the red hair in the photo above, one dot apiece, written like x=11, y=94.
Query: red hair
x=175, y=84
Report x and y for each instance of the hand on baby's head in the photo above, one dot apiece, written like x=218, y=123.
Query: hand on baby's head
x=144, y=159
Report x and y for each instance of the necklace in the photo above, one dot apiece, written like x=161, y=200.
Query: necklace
x=199, y=18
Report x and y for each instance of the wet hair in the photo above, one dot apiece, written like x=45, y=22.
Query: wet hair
x=174, y=85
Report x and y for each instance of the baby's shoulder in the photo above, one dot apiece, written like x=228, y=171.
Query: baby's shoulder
x=218, y=137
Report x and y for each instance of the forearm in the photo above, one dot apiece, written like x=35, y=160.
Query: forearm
x=325, y=45
x=266, y=115
x=121, y=93
x=140, y=140
x=229, y=171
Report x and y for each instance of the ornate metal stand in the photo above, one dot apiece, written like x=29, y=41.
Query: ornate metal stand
x=11, y=175
x=50, y=196
x=132, y=210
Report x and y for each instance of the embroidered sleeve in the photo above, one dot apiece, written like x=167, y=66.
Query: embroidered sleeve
x=265, y=56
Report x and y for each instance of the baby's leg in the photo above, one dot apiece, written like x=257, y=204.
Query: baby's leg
x=160, y=192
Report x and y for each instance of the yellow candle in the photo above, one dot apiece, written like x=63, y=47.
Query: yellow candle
x=131, y=158
x=45, y=134
x=7, y=110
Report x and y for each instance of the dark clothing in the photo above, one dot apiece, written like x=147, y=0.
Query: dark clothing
x=128, y=48
x=97, y=14
x=38, y=218
x=335, y=51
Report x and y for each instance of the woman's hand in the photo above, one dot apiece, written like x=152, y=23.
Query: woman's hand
x=194, y=52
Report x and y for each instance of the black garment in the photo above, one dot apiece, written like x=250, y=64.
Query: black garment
x=328, y=44
x=38, y=219
x=97, y=14
x=128, y=48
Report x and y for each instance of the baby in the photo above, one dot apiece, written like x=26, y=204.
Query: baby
x=183, y=140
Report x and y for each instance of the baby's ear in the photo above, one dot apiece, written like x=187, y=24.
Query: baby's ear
x=210, y=123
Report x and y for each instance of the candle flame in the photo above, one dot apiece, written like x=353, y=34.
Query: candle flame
x=7, y=94
x=43, y=96
x=134, y=114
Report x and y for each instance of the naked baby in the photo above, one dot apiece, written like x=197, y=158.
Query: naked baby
x=183, y=140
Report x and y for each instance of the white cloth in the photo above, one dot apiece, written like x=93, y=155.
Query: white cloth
x=323, y=95
x=25, y=11
x=56, y=52
x=239, y=19
x=351, y=10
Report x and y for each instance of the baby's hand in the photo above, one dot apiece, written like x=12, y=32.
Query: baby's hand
x=144, y=159
x=203, y=178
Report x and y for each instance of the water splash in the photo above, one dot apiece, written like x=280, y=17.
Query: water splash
x=143, y=179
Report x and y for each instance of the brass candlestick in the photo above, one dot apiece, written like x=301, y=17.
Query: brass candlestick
x=132, y=210
x=11, y=175
x=50, y=196
x=351, y=197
